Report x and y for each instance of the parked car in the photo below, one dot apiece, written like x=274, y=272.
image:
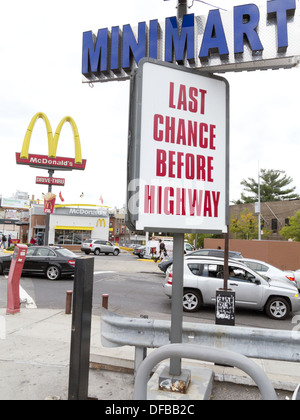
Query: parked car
x=51, y=261
x=204, y=275
x=140, y=251
x=268, y=270
x=166, y=262
x=215, y=253
x=98, y=246
x=295, y=274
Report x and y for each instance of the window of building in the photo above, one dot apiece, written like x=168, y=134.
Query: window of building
x=71, y=237
x=274, y=225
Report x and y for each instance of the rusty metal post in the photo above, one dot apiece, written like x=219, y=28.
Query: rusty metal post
x=105, y=301
x=69, y=295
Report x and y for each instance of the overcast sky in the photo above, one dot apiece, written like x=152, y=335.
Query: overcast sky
x=41, y=47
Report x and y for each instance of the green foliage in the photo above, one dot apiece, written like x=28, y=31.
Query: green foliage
x=274, y=186
x=292, y=231
x=246, y=227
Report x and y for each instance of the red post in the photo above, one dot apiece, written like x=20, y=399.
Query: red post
x=105, y=301
x=14, y=276
x=69, y=295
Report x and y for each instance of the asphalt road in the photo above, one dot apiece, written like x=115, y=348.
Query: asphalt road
x=134, y=288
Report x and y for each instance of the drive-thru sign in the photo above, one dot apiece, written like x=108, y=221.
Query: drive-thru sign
x=178, y=150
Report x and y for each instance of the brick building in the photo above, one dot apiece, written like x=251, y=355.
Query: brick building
x=274, y=214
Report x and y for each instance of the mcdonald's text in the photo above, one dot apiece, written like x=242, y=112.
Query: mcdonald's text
x=43, y=161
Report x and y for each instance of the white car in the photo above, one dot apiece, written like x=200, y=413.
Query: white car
x=204, y=275
x=269, y=270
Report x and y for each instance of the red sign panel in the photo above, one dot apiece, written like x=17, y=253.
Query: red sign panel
x=50, y=181
x=43, y=161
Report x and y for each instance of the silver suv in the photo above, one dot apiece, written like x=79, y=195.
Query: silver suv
x=204, y=275
x=98, y=246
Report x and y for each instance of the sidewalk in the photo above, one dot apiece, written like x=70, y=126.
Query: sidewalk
x=35, y=352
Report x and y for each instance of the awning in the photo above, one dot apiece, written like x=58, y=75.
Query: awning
x=73, y=228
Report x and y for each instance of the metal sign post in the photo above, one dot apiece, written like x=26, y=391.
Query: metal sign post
x=177, y=287
x=178, y=172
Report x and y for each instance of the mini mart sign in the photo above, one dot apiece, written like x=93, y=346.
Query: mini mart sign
x=247, y=38
x=178, y=150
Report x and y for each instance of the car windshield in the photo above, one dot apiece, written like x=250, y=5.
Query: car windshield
x=66, y=252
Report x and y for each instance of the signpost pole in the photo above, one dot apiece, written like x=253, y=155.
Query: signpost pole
x=177, y=296
x=47, y=228
x=178, y=254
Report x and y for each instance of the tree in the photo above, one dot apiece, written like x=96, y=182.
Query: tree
x=273, y=187
x=292, y=231
x=246, y=227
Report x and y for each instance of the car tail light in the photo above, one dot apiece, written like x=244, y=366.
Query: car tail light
x=170, y=278
x=72, y=262
x=291, y=278
x=91, y=245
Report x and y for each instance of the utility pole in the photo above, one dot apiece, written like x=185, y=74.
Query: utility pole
x=182, y=8
x=259, y=212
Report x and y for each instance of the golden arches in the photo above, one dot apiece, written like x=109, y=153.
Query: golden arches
x=52, y=141
x=101, y=221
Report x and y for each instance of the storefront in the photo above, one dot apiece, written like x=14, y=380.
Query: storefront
x=71, y=225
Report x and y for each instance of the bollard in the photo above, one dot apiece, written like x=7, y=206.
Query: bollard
x=69, y=295
x=13, y=280
x=105, y=301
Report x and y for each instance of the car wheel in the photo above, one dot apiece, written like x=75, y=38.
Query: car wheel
x=116, y=252
x=53, y=272
x=278, y=308
x=97, y=251
x=192, y=301
x=87, y=252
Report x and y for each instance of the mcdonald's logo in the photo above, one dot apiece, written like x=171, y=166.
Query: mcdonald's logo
x=100, y=221
x=51, y=160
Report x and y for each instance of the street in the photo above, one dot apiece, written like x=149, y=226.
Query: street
x=134, y=288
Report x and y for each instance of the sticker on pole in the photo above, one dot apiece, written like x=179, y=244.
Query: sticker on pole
x=178, y=150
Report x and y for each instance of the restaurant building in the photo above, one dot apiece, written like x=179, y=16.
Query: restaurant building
x=71, y=224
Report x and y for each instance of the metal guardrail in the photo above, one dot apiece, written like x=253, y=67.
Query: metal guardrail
x=206, y=354
x=141, y=333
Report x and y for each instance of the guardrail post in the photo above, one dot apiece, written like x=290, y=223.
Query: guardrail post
x=81, y=329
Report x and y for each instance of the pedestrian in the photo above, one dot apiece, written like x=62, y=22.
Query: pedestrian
x=40, y=240
x=32, y=241
x=3, y=241
x=162, y=251
x=9, y=241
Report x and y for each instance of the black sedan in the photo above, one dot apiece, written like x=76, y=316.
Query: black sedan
x=50, y=261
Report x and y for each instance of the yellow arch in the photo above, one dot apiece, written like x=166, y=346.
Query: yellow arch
x=78, y=157
x=27, y=138
x=52, y=141
x=101, y=221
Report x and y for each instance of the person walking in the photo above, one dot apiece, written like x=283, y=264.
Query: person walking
x=9, y=241
x=3, y=241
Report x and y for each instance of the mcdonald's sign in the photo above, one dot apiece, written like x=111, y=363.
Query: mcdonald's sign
x=51, y=161
x=100, y=221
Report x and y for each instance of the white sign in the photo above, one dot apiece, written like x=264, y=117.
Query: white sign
x=181, y=148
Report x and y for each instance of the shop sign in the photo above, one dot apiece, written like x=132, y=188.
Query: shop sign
x=50, y=181
x=81, y=212
x=178, y=165
x=247, y=38
x=51, y=161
